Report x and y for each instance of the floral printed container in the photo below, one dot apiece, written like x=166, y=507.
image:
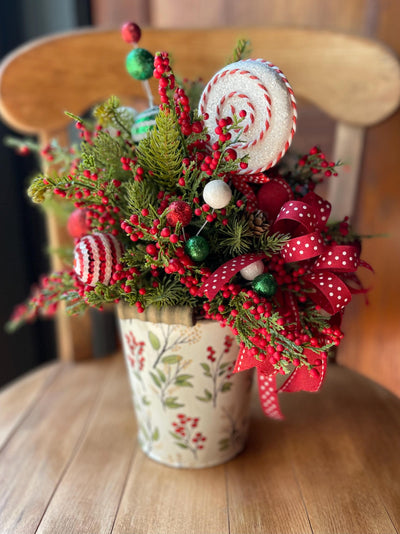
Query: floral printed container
x=191, y=410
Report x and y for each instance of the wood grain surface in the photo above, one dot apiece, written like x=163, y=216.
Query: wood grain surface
x=69, y=462
x=357, y=81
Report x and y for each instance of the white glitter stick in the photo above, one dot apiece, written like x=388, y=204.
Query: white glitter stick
x=261, y=89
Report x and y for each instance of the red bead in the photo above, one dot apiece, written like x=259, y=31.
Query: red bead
x=165, y=232
x=131, y=32
x=151, y=249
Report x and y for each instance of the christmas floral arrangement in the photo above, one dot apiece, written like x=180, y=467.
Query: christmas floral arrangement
x=189, y=205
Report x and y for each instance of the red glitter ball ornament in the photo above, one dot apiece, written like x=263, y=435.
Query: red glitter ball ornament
x=272, y=195
x=131, y=32
x=179, y=211
x=78, y=224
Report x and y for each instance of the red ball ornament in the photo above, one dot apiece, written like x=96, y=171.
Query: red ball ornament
x=131, y=32
x=95, y=258
x=272, y=195
x=179, y=211
x=78, y=224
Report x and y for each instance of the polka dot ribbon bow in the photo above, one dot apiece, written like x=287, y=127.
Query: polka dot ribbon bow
x=326, y=267
x=304, y=219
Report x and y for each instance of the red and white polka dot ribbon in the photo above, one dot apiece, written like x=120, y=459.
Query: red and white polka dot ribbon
x=303, y=247
x=299, y=380
x=266, y=381
x=310, y=213
x=268, y=395
x=225, y=272
x=243, y=186
x=332, y=294
x=306, y=218
x=338, y=258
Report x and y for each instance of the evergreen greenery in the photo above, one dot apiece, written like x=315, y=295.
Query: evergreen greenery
x=161, y=153
x=127, y=190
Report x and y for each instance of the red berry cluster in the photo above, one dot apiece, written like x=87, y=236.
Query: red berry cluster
x=136, y=349
x=316, y=162
x=184, y=428
x=228, y=343
x=162, y=72
x=46, y=296
x=46, y=153
x=267, y=344
x=182, y=110
x=287, y=277
x=211, y=353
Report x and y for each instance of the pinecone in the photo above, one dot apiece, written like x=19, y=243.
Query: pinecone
x=258, y=223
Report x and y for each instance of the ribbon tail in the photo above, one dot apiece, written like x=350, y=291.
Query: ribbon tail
x=302, y=380
x=268, y=395
x=225, y=272
x=366, y=266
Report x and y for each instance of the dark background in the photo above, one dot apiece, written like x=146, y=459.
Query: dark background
x=23, y=256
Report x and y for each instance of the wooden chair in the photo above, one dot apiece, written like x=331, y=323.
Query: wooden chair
x=353, y=80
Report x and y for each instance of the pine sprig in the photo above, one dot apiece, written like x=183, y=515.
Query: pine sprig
x=170, y=292
x=141, y=194
x=270, y=244
x=235, y=238
x=39, y=188
x=110, y=113
x=18, y=144
x=241, y=51
x=162, y=151
x=105, y=152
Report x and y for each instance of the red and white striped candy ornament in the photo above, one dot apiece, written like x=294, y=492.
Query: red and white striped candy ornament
x=261, y=89
x=95, y=258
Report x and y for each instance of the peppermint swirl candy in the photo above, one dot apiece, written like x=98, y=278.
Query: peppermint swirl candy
x=95, y=258
x=261, y=89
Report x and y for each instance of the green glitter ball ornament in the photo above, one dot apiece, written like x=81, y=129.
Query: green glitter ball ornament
x=144, y=122
x=140, y=64
x=265, y=285
x=197, y=248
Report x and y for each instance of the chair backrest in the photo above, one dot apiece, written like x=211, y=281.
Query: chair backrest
x=353, y=80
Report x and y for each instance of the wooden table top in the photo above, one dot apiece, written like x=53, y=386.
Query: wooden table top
x=69, y=462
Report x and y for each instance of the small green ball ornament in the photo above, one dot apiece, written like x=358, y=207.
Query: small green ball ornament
x=265, y=285
x=197, y=248
x=144, y=122
x=140, y=64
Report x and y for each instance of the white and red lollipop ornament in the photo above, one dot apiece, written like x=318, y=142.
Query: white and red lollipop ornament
x=261, y=89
